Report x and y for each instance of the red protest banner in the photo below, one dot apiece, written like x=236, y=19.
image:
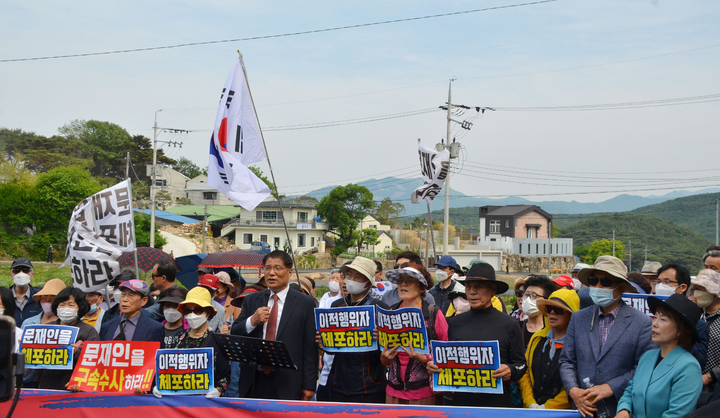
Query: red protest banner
x=115, y=366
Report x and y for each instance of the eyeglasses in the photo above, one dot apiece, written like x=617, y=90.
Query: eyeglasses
x=274, y=268
x=666, y=282
x=197, y=310
x=519, y=293
x=604, y=282
x=554, y=310
x=533, y=295
x=23, y=269
x=354, y=276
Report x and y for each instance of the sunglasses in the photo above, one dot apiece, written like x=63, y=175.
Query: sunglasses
x=604, y=282
x=554, y=310
x=519, y=293
x=197, y=310
x=25, y=270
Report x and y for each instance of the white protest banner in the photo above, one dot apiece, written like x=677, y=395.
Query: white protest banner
x=434, y=166
x=93, y=262
x=109, y=214
x=236, y=142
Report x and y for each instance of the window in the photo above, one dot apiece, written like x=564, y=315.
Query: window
x=268, y=216
x=247, y=238
x=301, y=240
x=209, y=195
x=530, y=233
x=302, y=217
x=373, y=226
x=494, y=227
x=312, y=241
x=520, y=249
x=507, y=224
x=263, y=238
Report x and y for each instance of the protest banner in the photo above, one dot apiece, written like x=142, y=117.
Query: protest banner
x=93, y=261
x=639, y=302
x=115, y=366
x=466, y=366
x=434, y=166
x=187, y=371
x=346, y=329
x=48, y=346
x=403, y=327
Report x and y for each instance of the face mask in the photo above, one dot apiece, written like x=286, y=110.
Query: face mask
x=704, y=299
x=93, y=309
x=67, y=315
x=661, y=289
x=2, y=311
x=172, y=315
x=529, y=307
x=334, y=287
x=116, y=296
x=461, y=305
x=355, y=288
x=47, y=308
x=455, y=276
x=441, y=275
x=21, y=279
x=602, y=297
x=196, y=321
x=578, y=284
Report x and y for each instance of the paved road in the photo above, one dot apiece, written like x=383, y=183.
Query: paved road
x=178, y=245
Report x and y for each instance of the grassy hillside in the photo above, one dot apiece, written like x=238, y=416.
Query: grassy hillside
x=693, y=212
x=666, y=241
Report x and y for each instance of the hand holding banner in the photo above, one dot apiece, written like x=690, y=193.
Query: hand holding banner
x=48, y=346
x=115, y=366
x=466, y=366
x=403, y=327
x=187, y=371
x=346, y=329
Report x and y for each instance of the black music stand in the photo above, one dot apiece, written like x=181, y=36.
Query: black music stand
x=255, y=351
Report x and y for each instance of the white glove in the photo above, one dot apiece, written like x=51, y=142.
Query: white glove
x=541, y=406
x=534, y=406
x=213, y=394
x=156, y=392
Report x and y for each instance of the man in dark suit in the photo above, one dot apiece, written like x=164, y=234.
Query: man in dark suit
x=283, y=314
x=132, y=325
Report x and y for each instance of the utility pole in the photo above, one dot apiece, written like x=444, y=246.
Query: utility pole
x=152, y=186
x=549, y=246
x=646, y=253
x=205, y=230
x=613, y=243
x=446, y=216
x=717, y=221
x=127, y=165
x=630, y=255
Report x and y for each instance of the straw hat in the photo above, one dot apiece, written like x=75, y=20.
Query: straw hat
x=564, y=298
x=199, y=296
x=610, y=265
x=52, y=288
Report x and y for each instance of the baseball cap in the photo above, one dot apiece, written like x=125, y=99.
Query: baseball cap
x=210, y=281
x=21, y=262
x=138, y=286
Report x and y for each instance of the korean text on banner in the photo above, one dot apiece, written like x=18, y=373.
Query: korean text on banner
x=639, y=302
x=48, y=346
x=466, y=366
x=403, y=327
x=346, y=329
x=187, y=371
x=109, y=214
x=434, y=166
x=237, y=142
x=93, y=262
x=115, y=366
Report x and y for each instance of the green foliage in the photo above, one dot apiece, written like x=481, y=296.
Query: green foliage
x=307, y=261
x=367, y=236
x=301, y=200
x=142, y=232
x=694, y=212
x=188, y=168
x=604, y=247
x=666, y=242
x=343, y=208
x=388, y=212
x=258, y=172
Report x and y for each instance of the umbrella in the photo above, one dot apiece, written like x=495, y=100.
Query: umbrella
x=235, y=258
x=147, y=258
x=187, y=265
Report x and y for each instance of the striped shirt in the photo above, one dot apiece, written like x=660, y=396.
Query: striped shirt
x=605, y=323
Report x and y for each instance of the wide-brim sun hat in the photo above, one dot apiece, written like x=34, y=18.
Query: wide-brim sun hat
x=610, y=265
x=682, y=306
x=484, y=272
x=563, y=298
x=709, y=279
x=51, y=288
x=199, y=296
x=364, y=266
x=650, y=268
x=394, y=275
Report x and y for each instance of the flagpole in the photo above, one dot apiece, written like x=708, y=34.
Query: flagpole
x=132, y=199
x=432, y=237
x=272, y=174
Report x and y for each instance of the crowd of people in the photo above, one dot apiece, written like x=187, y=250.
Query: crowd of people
x=569, y=343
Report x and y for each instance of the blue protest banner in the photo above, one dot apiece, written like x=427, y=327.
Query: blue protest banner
x=346, y=329
x=185, y=371
x=466, y=366
x=639, y=302
x=402, y=327
x=48, y=346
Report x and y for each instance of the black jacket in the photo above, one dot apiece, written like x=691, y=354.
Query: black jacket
x=441, y=295
x=362, y=373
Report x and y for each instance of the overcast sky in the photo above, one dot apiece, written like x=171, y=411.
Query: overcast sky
x=561, y=53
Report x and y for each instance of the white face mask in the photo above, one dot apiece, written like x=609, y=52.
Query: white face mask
x=461, y=305
x=196, y=321
x=529, y=307
x=67, y=315
x=172, y=315
x=116, y=296
x=355, y=288
x=334, y=287
x=441, y=275
x=21, y=279
x=2, y=311
x=47, y=308
x=661, y=289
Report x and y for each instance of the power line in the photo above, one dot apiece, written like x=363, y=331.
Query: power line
x=612, y=106
x=282, y=35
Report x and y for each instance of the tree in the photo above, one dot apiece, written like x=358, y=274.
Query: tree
x=604, y=247
x=142, y=232
x=388, y=212
x=188, y=168
x=342, y=209
x=301, y=200
x=258, y=172
x=367, y=236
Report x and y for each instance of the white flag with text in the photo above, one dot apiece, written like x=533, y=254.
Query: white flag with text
x=434, y=166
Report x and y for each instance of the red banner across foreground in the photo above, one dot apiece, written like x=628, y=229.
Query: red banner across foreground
x=115, y=366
